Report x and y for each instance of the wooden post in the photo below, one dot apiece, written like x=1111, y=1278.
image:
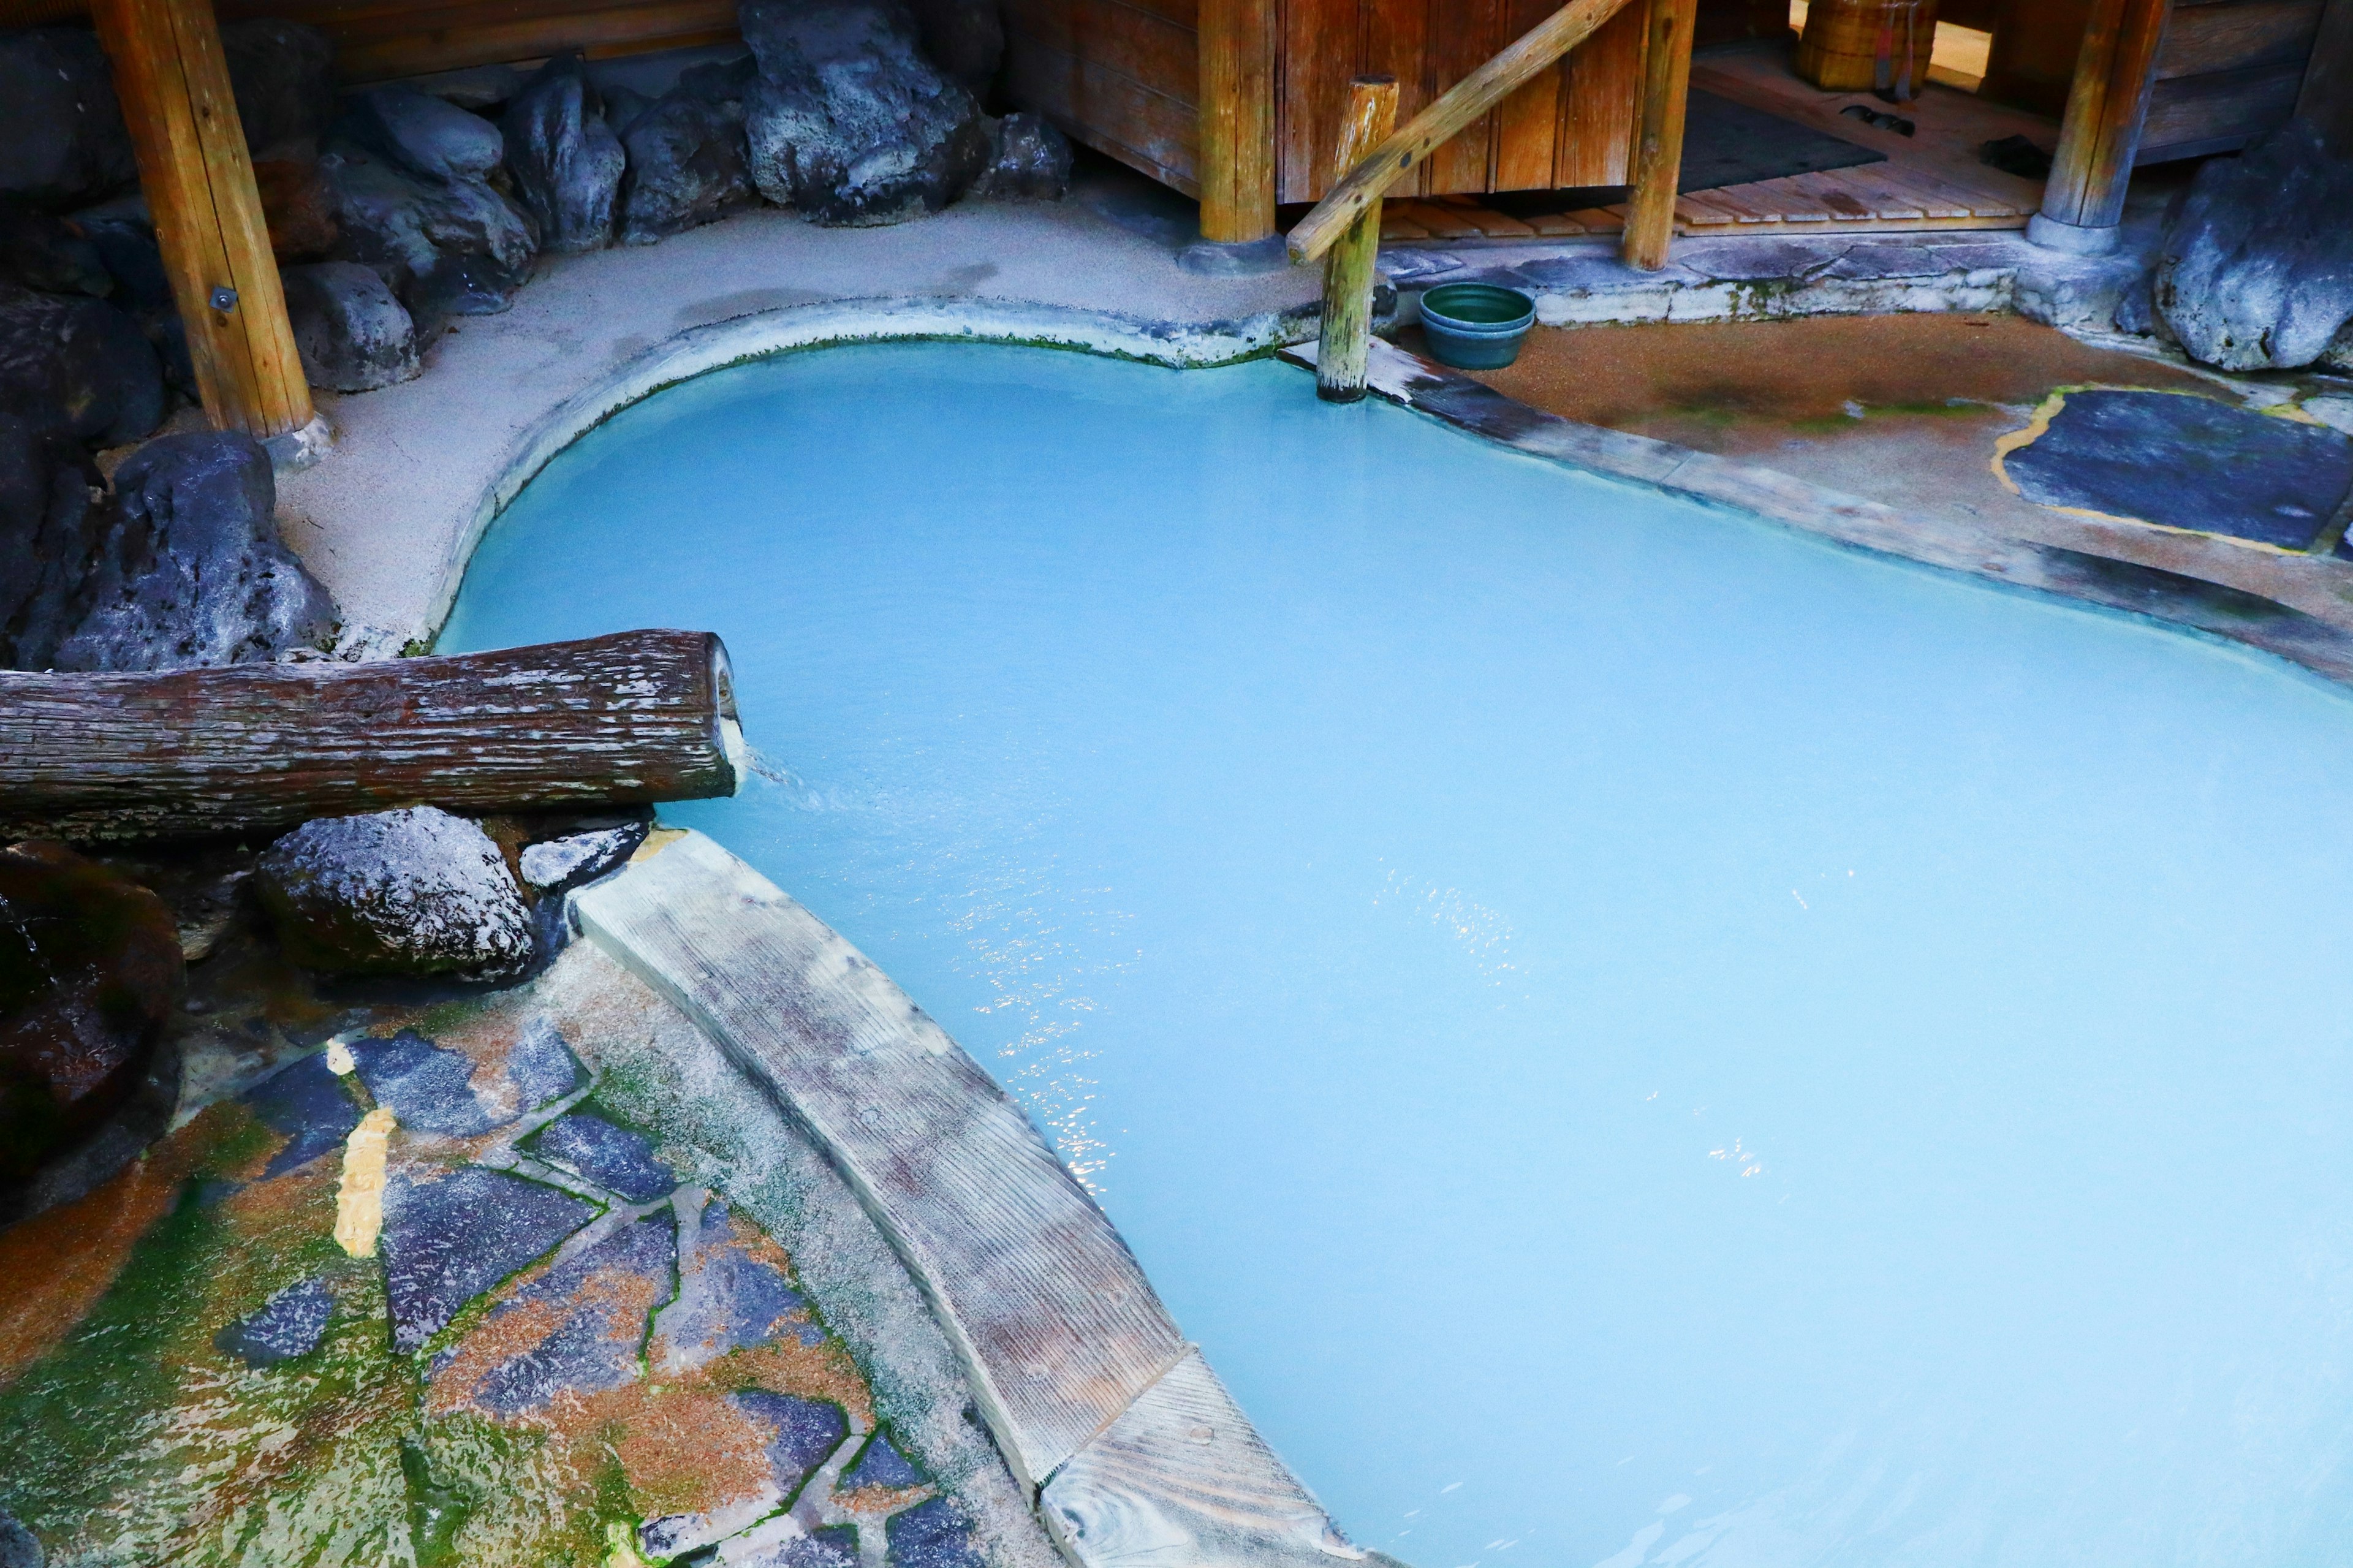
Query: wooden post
x=1347, y=343
x=1236, y=38
x=2327, y=98
x=1659, y=151
x=173, y=79
x=2092, y=168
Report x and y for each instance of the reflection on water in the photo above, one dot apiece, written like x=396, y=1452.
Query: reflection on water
x=1629, y=1036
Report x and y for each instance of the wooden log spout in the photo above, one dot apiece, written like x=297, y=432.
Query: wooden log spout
x=628, y=718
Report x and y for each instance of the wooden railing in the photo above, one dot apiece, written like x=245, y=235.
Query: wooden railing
x=1344, y=226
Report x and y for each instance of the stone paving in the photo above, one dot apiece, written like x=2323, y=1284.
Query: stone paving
x=498, y=1278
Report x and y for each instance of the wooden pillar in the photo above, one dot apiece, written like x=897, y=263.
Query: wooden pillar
x=1659, y=149
x=1346, y=343
x=173, y=79
x=2327, y=98
x=2092, y=168
x=1237, y=120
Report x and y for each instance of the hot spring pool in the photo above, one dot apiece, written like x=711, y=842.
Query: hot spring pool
x=1628, y=1036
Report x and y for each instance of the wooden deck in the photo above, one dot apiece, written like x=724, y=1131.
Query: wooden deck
x=1932, y=180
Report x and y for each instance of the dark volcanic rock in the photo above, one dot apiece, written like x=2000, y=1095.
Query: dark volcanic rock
x=882, y=1465
x=48, y=530
x=190, y=570
x=848, y=122
x=966, y=38
x=587, y=1318
x=298, y=207
x=565, y=160
x=306, y=1101
x=445, y=1242
x=289, y=1324
x=427, y=136
x=77, y=364
x=412, y=892
x=425, y=1085
x=352, y=334
x=732, y=1292
x=1027, y=157
x=934, y=1535
x=283, y=76
x=613, y=1157
x=802, y=1433
x=89, y=975
x=62, y=142
x=553, y=864
x=2256, y=267
x=125, y=241
x=40, y=250
x=449, y=247
x=686, y=167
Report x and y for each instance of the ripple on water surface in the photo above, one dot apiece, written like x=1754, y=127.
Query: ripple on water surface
x=1629, y=1036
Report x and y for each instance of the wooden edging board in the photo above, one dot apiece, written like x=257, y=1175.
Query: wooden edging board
x=1115, y=1423
x=2231, y=614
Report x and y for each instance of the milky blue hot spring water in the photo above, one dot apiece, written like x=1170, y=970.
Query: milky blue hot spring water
x=1630, y=1035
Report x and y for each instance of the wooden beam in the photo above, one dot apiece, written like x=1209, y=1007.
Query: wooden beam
x=2106, y=107
x=1466, y=101
x=1236, y=95
x=2326, y=100
x=1347, y=326
x=620, y=719
x=1659, y=151
x=173, y=81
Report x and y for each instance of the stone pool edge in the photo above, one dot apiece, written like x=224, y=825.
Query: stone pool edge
x=2196, y=605
x=792, y=328
x=1114, y=1423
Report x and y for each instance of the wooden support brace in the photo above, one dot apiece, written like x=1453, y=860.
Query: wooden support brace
x=1237, y=44
x=1659, y=151
x=1519, y=63
x=2092, y=167
x=173, y=79
x=1347, y=326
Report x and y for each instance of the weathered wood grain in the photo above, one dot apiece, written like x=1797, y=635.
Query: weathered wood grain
x=2203, y=39
x=2194, y=115
x=1234, y=70
x=1182, y=1477
x=1346, y=326
x=1460, y=105
x=2100, y=136
x=1115, y=115
x=1659, y=156
x=1058, y=1327
x=626, y=718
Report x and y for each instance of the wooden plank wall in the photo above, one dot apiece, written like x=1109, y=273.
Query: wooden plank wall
x=376, y=39
x=2229, y=70
x=1119, y=75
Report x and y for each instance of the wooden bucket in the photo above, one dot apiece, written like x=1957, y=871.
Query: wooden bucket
x=1868, y=46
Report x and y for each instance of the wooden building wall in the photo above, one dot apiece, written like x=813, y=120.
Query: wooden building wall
x=376, y=39
x=2229, y=70
x=1120, y=75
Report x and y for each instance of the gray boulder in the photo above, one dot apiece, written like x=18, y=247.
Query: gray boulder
x=47, y=532
x=427, y=136
x=686, y=167
x=1028, y=157
x=352, y=335
x=447, y=248
x=413, y=892
x=79, y=365
x=62, y=142
x=123, y=237
x=846, y=121
x=2256, y=269
x=40, y=250
x=189, y=570
x=966, y=38
x=283, y=76
x=566, y=162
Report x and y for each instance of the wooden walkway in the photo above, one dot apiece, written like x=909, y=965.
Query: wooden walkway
x=1931, y=180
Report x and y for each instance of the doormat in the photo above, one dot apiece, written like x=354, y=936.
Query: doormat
x=2177, y=460
x=1725, y=143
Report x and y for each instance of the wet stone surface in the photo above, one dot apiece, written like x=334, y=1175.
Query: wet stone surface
x=306, y=1101
x=287, y=1326
x=804, y=1434
x=934, y=1535
x=446, y=1241
x=730, y=1296
x=577, y=1328
x=613, y=1157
